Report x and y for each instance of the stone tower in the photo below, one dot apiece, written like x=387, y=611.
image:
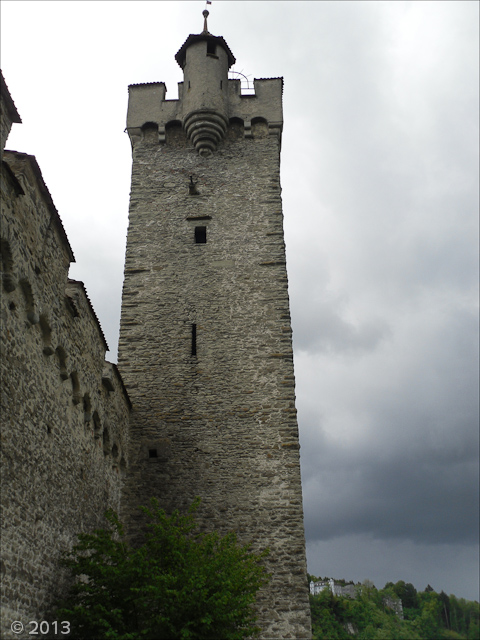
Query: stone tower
x=205, y=341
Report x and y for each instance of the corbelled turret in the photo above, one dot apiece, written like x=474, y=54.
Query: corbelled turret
x=205, y=60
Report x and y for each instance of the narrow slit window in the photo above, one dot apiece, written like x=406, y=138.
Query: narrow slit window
x=201, y=235
x=211, y=48
x=194, y=339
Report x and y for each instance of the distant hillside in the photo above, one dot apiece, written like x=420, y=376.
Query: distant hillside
x=344, y=611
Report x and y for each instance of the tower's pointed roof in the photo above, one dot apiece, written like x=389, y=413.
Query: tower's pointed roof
x=204, y=36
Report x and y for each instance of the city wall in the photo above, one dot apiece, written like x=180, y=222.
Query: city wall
x=64, y=409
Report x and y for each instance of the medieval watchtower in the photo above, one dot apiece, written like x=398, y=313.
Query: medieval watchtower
x=205, y=341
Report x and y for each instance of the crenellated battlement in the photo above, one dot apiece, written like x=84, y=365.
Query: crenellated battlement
x=149, y=106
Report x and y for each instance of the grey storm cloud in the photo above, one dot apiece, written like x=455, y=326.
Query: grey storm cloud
x=410, y=471
x=320, y=327
x=380, y=497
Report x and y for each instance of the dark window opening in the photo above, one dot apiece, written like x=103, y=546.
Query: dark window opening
x=201, y=235
x=152, y=453
x=211, y=48
x=194, y=339
x=105, y=435
x=221, y=84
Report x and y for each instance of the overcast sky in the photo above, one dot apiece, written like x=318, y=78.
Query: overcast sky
x=380, y=192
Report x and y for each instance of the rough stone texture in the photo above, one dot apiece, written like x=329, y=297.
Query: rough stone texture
x=219, y=423
x=396, y=605
x=64, y=410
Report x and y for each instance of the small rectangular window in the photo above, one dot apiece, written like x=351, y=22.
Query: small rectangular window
x=201, y=235
x=194, y=339
x=211, y=48
x=152, y=453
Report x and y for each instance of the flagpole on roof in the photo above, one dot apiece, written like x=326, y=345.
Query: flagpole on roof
x=205, y=14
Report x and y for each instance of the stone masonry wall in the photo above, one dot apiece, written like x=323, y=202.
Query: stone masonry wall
x=219, y=423
x=64, y=410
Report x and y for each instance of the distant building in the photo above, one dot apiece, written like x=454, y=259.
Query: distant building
x=347, y=591
x=350, y=591
x=321, y=585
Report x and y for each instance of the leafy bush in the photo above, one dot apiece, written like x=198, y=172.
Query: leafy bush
x=178, y=584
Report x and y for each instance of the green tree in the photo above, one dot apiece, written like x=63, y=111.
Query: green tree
x=445, y=609
x=329, y=614
x=406, y=592
x=429, y=622
x=178, y=584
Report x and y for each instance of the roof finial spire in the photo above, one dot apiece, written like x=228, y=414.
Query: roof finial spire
x=205, y=14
